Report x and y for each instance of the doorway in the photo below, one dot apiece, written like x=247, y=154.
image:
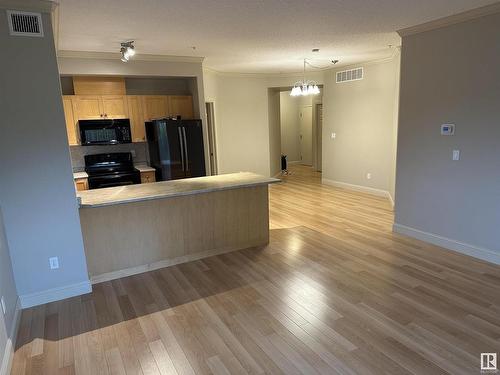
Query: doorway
x=212, y=144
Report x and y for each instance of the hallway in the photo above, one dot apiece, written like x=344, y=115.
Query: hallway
x=335, y=292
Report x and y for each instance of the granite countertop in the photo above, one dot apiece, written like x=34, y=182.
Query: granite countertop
x=166, y=189
x=80, y=175
x=144, y=168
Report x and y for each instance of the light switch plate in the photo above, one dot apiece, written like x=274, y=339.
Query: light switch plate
x=333, y=136
x=4, y=308
x=456, y=155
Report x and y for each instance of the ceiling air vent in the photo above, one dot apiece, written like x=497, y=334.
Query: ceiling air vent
x=350, y=75
x=25, y=23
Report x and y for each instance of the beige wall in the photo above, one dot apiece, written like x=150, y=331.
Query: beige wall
x=275, y=149
x=361, y=113
x=247, y=135
x=37, y=191
x=9, y=293
x=451, y=75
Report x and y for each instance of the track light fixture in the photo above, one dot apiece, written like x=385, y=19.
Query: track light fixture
x=127, y=50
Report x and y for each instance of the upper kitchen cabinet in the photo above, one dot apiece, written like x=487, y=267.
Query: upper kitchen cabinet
x=91, y=107
x=180, y=105
x=91, y=85
x=114, y=106
x=136, y=117
x=87, y=107
x=71, y=120
x=154, y=107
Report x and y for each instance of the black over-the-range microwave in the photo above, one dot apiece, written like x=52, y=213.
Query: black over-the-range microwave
x=104, y=132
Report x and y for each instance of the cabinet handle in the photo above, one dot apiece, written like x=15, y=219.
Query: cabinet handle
x=101, y=115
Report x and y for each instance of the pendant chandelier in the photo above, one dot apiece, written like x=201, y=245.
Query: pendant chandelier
x=304, y=87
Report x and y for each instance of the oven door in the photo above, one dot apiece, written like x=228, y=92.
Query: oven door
x=111, y=180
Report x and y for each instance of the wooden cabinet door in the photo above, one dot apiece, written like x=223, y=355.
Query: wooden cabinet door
x=87, y=107
x=82, y=184
x=147, y=177
x=136, y=118
x=114, y=106
x=71, y=121
x=180, y=105
x=154, y=107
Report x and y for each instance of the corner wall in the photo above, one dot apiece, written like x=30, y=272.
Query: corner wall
x=451, y=75
x=37, y=192
x=361, y=114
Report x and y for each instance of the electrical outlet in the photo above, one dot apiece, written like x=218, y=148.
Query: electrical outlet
x=368, y=176
x=4, y=308
x=54, y=263
x=333, y=136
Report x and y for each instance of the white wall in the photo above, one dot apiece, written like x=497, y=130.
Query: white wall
x=37, y=190
x=451, y=75
x=9, y=293
x=361, y=113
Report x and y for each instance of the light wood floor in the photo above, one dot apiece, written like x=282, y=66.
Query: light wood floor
x=335, y=292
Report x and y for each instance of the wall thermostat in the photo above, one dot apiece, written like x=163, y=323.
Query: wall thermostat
x=447, y=129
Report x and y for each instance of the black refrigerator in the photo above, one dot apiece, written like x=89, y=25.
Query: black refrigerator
x=176, y=148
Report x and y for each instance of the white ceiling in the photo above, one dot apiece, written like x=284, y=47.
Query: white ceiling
x=249, y=35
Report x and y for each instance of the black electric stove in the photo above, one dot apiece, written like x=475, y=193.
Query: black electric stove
x=113, y=169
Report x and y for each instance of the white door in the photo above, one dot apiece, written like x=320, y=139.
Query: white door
x=306, y=135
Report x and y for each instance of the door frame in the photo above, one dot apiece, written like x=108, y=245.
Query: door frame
x=212, y=138
x=319, y=137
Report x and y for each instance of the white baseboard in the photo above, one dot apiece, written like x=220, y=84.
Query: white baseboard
x=8, y=355
x=448, y=243
x=294, y=162
x=56, y=294
x=360, y=188
x=108, y=276
x=391, y=200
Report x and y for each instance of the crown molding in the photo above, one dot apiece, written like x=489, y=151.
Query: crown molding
x=451, y=20
x=137, y=57
x=43, y=6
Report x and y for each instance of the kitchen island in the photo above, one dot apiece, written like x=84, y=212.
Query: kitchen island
x=136, y=228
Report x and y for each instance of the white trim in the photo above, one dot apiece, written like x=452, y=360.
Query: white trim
x=108, y=276
x=6, y=362
x=294, y=162
x=363, y=189
x=391, y=200
x=448, y=243
x=55, y=294
x=451, y=20
x=137, y=57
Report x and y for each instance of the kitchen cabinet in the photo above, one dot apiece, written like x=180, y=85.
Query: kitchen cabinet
x=87, y=107
x=148, y=177
x=114, y=106
x=71, y=120
x=91, y=107
x=136, y=117
x=154, y=107
x=180, y=105
x=82, y=184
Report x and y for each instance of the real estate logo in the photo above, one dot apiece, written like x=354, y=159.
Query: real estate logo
x=489, y=362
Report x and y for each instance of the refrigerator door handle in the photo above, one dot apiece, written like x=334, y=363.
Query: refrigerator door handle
x=185, y=148
x=182, y=147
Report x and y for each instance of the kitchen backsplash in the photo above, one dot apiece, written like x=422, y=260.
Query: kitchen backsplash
x=78, y=153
